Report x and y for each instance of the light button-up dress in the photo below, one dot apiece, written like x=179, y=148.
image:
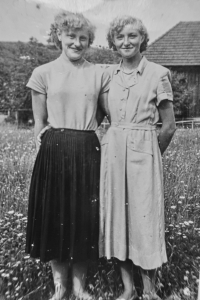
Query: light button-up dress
x=131, y=191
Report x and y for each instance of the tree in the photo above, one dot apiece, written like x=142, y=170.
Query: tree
x=182, y=95
x=17, y=63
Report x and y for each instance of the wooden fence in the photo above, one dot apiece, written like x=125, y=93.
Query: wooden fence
x=25, y=116
x=20, y=116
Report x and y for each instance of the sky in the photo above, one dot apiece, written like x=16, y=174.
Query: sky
x=22, y=19
x=73, y=5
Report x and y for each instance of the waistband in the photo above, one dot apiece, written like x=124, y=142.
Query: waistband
x=133, y=126
x=71, y=130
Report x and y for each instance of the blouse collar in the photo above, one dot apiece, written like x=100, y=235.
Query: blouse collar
x=139, y=69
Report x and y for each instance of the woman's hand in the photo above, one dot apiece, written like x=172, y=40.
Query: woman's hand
x=39, y=137
x=168, y=128
x=40, y=116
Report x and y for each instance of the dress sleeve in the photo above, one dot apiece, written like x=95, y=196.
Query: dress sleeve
x=105, y=82
x=164, y=89
x=36, y=82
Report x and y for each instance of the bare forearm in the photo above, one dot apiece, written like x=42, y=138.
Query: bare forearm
x=100, y=115
x=37, y=129
x=102, y=109
x=39, y=113
x=168, y=128
x=165, y=136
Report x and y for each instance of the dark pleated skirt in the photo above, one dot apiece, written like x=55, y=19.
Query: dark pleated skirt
x=63, y=212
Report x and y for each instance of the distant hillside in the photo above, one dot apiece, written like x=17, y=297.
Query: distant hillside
x=11, y=52
x=17, y=61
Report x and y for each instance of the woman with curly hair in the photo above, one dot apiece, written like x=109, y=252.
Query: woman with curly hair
x=63, y=213
x=131, y=189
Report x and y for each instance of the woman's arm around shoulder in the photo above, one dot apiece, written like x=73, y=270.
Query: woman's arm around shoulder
x=39, y=113
x=102, y=108
x=168, y=128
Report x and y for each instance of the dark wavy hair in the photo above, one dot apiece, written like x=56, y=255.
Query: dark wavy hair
x=66, y=20
x=118, y=24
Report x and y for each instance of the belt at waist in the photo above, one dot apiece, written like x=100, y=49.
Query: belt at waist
x=71, y=129
x=133, y=126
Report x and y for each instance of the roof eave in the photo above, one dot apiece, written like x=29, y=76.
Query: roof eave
x=179, y=64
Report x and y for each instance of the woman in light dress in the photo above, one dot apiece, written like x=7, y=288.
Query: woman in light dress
x=131, y=190
x=63, y=213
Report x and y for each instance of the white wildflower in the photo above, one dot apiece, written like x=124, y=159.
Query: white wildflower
x=186, y=291
x=15, y=279
x=26, y=257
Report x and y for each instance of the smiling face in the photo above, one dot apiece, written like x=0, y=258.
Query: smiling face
x=128, y=41
x=75, y=42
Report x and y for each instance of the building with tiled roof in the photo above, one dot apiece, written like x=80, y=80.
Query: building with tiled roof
x=179, y=50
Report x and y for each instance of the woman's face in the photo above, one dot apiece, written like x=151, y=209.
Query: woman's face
x=128, y=41
x=75, y=42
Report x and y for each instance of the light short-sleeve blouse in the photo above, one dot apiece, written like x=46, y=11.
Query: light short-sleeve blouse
x=71, y=92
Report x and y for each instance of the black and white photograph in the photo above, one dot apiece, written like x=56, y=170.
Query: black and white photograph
x=100, y=149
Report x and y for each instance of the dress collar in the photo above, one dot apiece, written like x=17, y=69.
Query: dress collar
x=139, y=69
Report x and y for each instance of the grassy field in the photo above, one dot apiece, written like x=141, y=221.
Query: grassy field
x=24, y=278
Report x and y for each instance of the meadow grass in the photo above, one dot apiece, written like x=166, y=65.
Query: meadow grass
x=24, y=278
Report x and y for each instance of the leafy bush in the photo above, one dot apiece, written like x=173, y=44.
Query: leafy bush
x=182, y=95
x=17, y=63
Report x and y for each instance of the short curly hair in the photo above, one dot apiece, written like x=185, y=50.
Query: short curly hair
x=118, y=24
x=66, y=20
